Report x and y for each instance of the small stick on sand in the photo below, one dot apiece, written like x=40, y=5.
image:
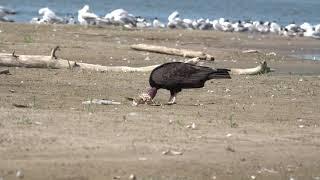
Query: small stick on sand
x=14, y=55
x=20, y=105
x=250, y=51
x=53, y=52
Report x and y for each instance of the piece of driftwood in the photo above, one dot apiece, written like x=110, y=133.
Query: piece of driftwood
x=53, y=62
x=172, y=51
x=101, y=101
x=250, y=51
x=172, y=152
x=262, y=68
x=21, y=105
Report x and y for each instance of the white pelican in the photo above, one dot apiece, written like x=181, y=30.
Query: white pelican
x=305, y=26
x=86, y=17
x=310, y=32
x=121, y=17
x=275, y=28
x=285, y=32
x=114, y=13
x=226, y=25
x=216, y=25
x=173, y=16
x=187, y=23
x=157, y=24
x=317, y=28
x=262, y=27
x=293, y=27
x=177, y=23
x=48, y=16
x=239, y=27
x=205, y=25
x=250, y=26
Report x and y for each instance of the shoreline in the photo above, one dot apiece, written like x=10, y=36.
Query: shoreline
x=228, y=50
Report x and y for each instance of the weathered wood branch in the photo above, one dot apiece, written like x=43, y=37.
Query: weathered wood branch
x=172, y=51
x=53, y=62
x=260, y=69
x=38, y=61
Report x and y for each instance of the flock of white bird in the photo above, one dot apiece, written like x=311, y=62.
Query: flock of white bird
x=122, y=18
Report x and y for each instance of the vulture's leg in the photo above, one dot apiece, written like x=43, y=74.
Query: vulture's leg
x=173, y=95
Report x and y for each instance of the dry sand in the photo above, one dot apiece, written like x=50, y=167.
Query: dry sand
x=249, y=127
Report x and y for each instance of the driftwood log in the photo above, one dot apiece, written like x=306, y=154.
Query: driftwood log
x=172, y=51
x=260, y=69
x=53, y=62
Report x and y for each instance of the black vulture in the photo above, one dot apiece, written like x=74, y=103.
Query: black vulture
x=175, y=76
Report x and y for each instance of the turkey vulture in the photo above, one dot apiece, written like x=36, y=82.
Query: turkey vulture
x=175, y=76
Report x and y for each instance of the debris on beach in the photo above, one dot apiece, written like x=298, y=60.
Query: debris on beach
x=272, y=171
x=231, y=149
x=132, y=177
x=38, y=123
x=19, y=174
x=142, y=158
x=191, y=126
x=101, y=101
x=250, y=51
x=253, y=177
x=172, y=51
x=271, y=54
x=21, y=105
x=172, y=152
x=147, y=58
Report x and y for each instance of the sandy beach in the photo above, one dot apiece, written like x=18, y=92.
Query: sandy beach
x=249, y=127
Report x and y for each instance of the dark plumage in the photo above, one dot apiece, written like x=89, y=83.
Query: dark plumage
x=176, y=76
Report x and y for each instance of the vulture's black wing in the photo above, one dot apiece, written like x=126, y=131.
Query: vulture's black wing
x=179, y=75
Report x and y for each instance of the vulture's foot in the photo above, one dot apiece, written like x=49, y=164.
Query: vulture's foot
x=172, y=99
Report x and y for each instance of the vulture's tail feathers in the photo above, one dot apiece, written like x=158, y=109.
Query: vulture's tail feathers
x=220, y=74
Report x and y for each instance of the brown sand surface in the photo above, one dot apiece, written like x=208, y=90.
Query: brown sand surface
x=249, y=127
